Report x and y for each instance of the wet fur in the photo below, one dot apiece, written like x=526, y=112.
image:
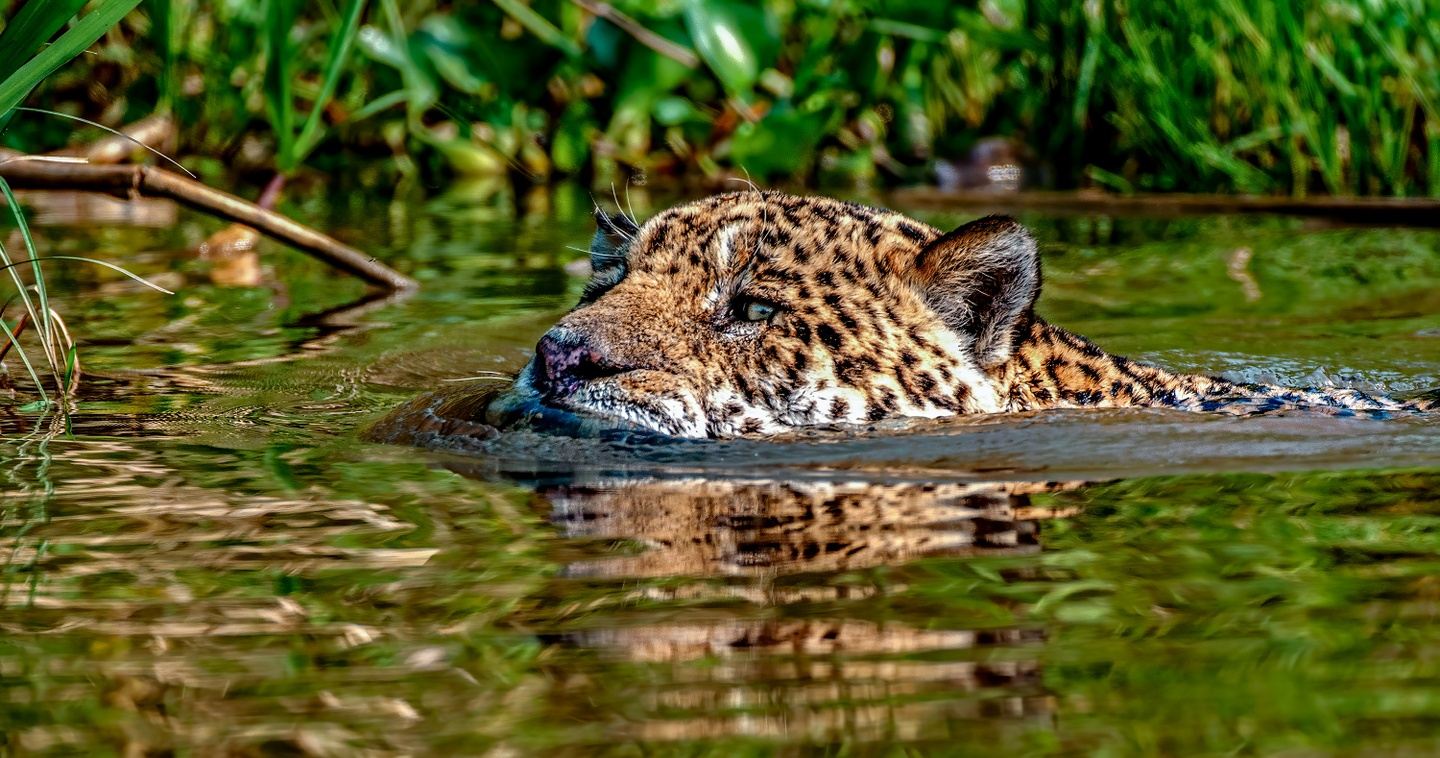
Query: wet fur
x=880, y=316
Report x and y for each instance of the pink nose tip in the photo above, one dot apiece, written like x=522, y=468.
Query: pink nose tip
x=563, y=363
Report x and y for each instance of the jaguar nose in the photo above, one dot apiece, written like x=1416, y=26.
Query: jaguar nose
x=565, y=361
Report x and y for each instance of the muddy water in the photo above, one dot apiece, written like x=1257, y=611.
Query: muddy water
x=204, y=557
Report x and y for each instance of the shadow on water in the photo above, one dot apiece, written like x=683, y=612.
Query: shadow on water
x=206, y=557
x=1052, y=445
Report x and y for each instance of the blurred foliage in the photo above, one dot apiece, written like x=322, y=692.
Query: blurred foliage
x=1339, y=97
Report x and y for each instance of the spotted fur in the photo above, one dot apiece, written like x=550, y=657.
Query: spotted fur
x=753, y=531
x=759, y=527
x=864, y=315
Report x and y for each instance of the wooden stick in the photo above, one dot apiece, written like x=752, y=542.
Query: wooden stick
x=128, y=181
x=152, y=131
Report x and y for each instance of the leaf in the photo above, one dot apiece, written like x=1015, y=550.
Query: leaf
x=673, y=111
x=907, y=30
x=539, y=26
x=41, y=314
x=605, y=42
x=96, y=262
x=732, y=38
x=394, y=48
x=468, y=158
x=1065, y=591
x=40, y=317
x=570, y=145
x=779, y=144
x=14, y=339
x=382, y=103
x=34, y=25
x=72, y=355
x=380, y=47
x=446, y=43
x=17, y=86
x=116, y=132
x=648, y=75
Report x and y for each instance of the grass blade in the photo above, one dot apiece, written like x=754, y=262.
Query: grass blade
x=539, y=26
x=279, y=100
x=72, y=357
x=97, y=262
x=384, y=102
x=40, y=317
x=162, y=30
x=16, y=87
x=25, y=359
x=33, y=26
x=115, y=132
x=338, y=53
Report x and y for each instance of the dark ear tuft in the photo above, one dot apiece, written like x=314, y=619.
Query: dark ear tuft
x=609, y=253
x=613, y=234
x=983, y=279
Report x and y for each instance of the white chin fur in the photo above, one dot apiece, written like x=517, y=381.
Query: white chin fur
x=664, y=415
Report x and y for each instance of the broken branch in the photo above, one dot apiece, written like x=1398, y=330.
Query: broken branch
x=126, y=181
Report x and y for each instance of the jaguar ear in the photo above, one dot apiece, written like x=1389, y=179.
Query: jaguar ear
x=983, y=279
x=609, y=253
x=613, y=235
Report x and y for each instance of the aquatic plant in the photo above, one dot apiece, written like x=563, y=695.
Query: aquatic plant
x=25, y=61
x=1338, y=97
x=279, y=53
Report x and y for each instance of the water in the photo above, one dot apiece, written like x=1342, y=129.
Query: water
x=206, y=558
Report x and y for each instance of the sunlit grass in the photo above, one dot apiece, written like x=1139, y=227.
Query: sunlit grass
x=1341, y=97
x=25, y=60
x=280, y=57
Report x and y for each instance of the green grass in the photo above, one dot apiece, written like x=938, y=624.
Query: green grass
x=1337, y=98
x=25, y=61
x=21, y=72
x=279, y=54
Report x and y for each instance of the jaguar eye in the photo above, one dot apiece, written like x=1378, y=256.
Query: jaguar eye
x=748, y=309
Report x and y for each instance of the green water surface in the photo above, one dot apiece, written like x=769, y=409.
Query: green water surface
x=205, y=559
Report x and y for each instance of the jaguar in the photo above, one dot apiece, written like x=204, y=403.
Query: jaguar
x=757, y=313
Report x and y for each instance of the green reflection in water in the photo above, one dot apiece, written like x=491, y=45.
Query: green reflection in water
x=208, y=560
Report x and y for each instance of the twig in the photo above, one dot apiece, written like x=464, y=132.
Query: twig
x=678, y=53
x=150, y=133
x=127, y=181
x=270, y=196
x=15, y=333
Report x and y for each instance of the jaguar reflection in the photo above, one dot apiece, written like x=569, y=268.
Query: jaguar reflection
x=759, y=606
